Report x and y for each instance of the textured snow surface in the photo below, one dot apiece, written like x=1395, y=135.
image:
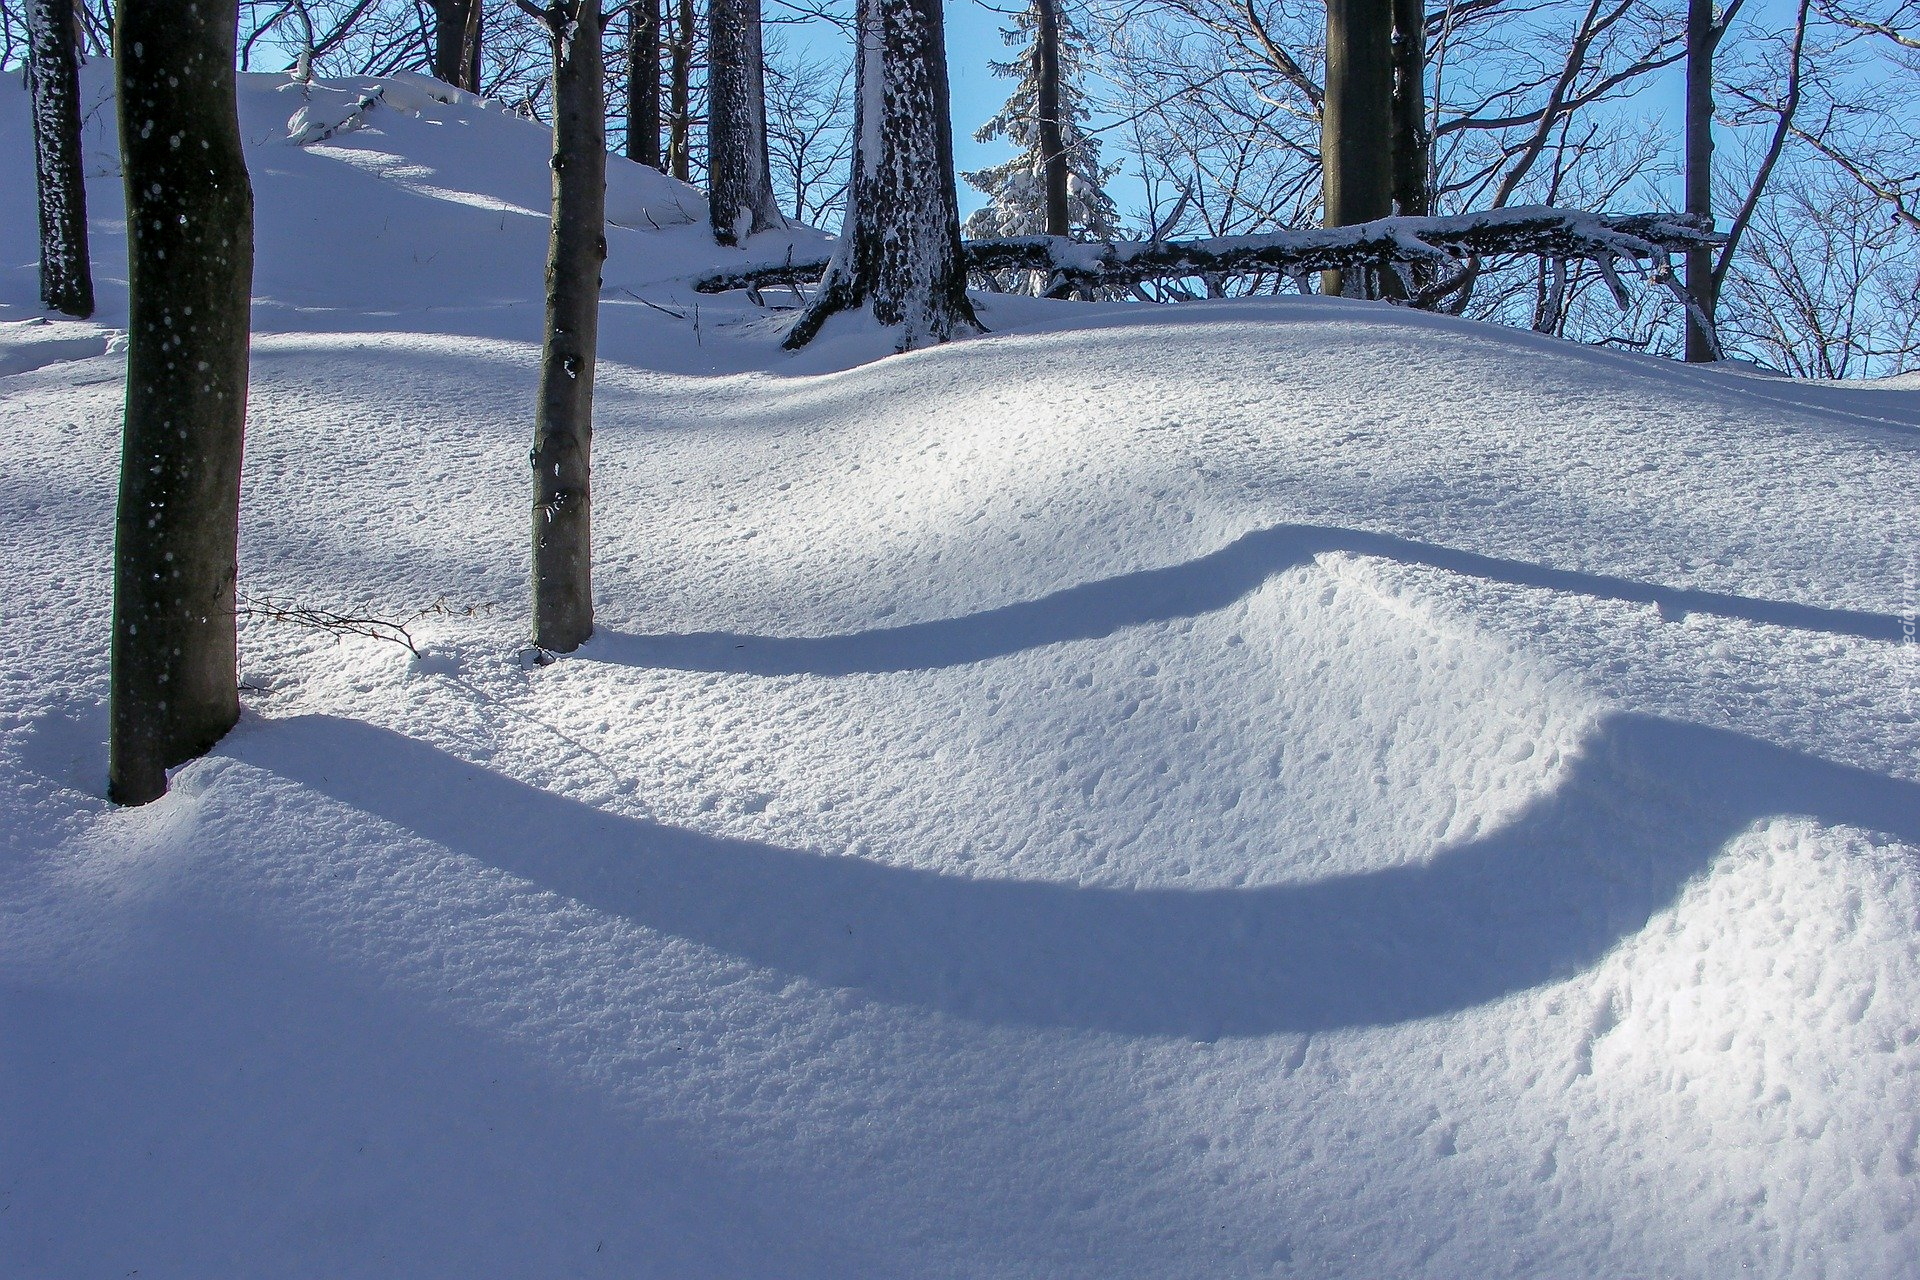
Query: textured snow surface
x=1251, y=789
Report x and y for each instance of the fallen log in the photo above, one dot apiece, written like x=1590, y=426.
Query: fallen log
x=1445, y=243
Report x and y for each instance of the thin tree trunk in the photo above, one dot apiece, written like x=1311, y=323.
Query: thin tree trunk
x=1053, y=147
x=643, y=83
x=740, y=198
x=1356, y=120
x=1412, y=147
x=899, y=250
x=1702, y=36
x=190, y=271
x=679, y=97
x=576, y=247
x=66, y=274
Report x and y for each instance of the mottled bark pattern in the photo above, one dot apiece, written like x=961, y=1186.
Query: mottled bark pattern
x=739, y=175
x=899, y=250
x=1356, y=122
x=66, y=275
x=576, y=247
x=643, y=83
x=190, y=271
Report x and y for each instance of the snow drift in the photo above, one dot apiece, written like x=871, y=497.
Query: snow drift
x=1282, y=788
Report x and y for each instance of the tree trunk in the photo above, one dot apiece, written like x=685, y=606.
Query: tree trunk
x=190, y=271
x=576, y=246
x=1053, y=147
x=456, y=42
x=1412, y=148
x=643, y=83
x=1701, y=281
x=66, y=274
x=1356, y=122
x=679, y=98
x=740, y=198
x=899, y=250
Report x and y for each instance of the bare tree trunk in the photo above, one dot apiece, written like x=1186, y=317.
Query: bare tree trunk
x=1702, y=36
x=66, y=274
x=1412, y=147
x=1053, y=147
x=190, y=272
x=679, y=97
x=643, y=83
x=740, y=197
x=899, y=250
x=1356, y=120
x=456, y=42
x=576, y=247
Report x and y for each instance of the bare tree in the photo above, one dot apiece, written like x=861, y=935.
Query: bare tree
x=899, y=251
x=740, y=196
x=643, y=83
x=1356, y=122
x=190, y=270
x=576, y=247
x=809, y=134
x=66, y=274
x=680, y=92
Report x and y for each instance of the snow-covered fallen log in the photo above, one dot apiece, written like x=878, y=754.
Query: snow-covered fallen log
x=1446, y=243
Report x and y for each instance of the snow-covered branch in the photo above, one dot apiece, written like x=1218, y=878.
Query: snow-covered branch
x=1563, y=234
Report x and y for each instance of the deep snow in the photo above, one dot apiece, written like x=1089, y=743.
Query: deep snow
x=1281, y=788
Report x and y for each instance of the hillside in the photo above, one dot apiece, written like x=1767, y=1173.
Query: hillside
x=1281, y=788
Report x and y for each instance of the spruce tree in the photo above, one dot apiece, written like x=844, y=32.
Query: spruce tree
x=1055, y=184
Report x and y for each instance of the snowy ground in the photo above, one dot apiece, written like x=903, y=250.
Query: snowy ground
x=1285, y=789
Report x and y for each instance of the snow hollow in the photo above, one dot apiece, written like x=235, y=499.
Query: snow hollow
x=1286, y=788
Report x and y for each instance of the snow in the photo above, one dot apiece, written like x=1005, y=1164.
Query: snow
x=1254, y=788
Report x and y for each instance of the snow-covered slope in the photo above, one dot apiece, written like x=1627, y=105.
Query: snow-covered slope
x=1284, y=788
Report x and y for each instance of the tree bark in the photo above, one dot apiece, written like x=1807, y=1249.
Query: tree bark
x=456, y=42
x=66, y=273
x=643, y=83
x=1053, y=146
x=740, y=197
x=576, y=247
x=679, y=96
x=1412, y=148
x=1702, y=283
x=899, y=250
x=1356, y=122
x=190, y=271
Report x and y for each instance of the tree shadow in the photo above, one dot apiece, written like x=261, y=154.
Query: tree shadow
x=1645, y=806
x=1094, y=610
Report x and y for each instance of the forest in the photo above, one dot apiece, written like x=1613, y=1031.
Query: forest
x=1085, y=638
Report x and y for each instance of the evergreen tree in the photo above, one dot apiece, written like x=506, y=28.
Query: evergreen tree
x=1044, y=173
